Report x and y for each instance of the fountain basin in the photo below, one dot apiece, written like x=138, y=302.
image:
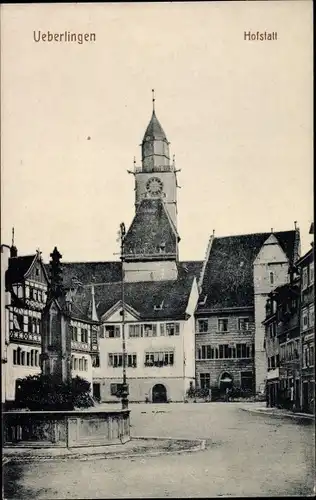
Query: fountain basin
x=66, y=429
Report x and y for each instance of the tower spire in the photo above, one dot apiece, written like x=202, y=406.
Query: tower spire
x=153, y=99
x=13, y=236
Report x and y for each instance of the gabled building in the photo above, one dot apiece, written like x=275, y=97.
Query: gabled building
x=24, y=298
x=238, y=274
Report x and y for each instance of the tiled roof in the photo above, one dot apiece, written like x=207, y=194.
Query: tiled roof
x=151, y=228
x=143, y=296
x=18, y=267
x=193, y=267
x=91, y=272
x=228, y=277
x=154, y=129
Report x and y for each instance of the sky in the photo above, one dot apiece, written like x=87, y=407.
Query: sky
x=238, y=115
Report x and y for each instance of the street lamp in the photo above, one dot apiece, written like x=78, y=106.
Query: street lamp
x=124, y=391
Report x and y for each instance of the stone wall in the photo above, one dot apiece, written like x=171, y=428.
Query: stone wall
x=65, y=428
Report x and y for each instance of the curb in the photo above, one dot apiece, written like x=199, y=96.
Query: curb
x=280, y=415
x=98, y=456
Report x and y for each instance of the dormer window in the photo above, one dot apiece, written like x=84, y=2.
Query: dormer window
x=162, y=248
x=271, y=277
x=202, y=302
x=158, y=307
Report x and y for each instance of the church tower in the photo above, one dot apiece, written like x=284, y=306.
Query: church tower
x=156, y=178
x=151, y=243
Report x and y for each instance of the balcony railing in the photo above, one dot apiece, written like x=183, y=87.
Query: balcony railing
x=156, y=168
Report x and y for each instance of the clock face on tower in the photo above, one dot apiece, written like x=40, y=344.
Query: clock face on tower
x=154, y=186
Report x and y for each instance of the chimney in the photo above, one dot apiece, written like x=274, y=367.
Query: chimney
x=13, y=249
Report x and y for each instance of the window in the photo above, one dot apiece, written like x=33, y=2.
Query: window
x=282, y=352
x=305, y=356
x=271, y=277
x=206, y=352
x=23, y=358
x=132, y=360
x=17, y=322
x=162, y=329
x=74, y=333
x=135, y=331
x=84, y=335
x=223, y=325
x=150, y=330
x=113, y=389
x=116, y=360
x=28, y=361
x=205, y=380
x=112, y=331
x=277, y=361
x=85, y=364
x=158, y=359
x=304, y=319
x=243, y=324
x=172, y=329
x=225, y=351
x=305, y=278
x=15, y=358
x=36, y=358
x=311, y=273
x=311, y=355
x=311, y=318
x=202, y=325
x=272, y=362
x=75, y=363
x=96, y=361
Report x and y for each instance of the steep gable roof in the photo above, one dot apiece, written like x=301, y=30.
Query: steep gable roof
x=150, y=230
x=228, y=277
x=17, y=269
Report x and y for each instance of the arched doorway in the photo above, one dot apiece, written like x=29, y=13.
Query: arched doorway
x=159, y=394
x=225, y=382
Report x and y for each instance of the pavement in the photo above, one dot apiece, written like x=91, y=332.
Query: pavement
x=137, y=446
x=247, y=454
x=276, y=412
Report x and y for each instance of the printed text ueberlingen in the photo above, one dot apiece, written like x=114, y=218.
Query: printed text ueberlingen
x=65, y=37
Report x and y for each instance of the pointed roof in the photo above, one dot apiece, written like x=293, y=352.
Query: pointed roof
x=18, y=267
x=154, y=129
x=151, y=233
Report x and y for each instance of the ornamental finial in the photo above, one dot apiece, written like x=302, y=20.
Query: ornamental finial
x=153, y=98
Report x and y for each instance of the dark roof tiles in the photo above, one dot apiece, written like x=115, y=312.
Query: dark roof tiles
x=228, y=277
x=18, y=267
x=154, y=129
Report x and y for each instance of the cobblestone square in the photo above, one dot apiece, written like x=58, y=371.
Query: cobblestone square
x=247, y=454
